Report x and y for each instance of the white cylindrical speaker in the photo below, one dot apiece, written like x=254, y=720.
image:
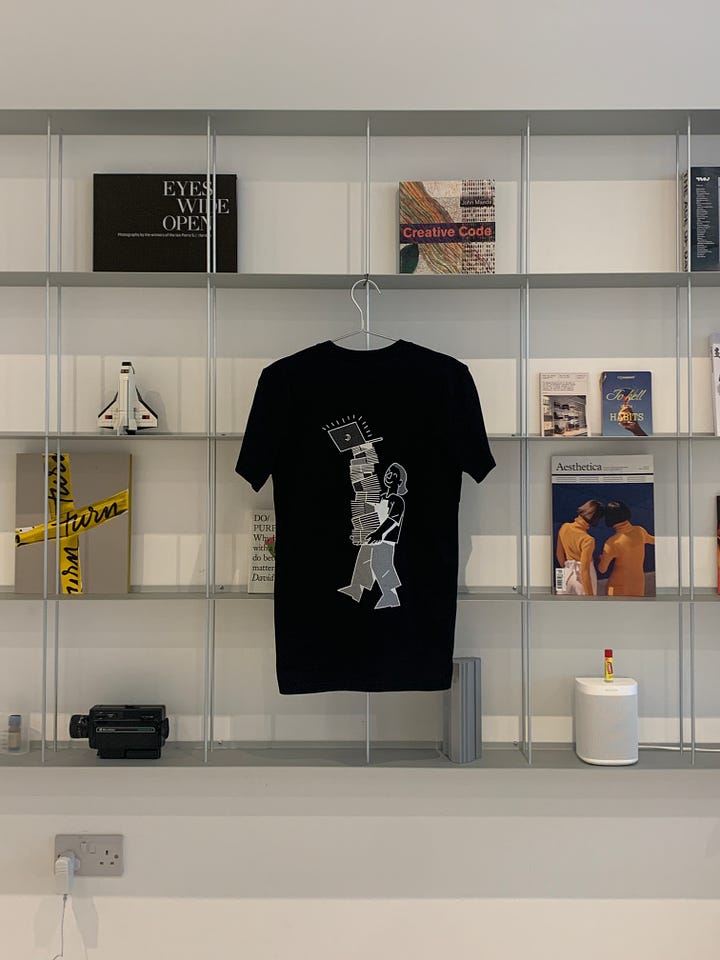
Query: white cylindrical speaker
x=606, y=720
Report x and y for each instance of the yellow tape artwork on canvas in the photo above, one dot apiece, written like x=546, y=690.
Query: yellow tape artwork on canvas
x=71, y=522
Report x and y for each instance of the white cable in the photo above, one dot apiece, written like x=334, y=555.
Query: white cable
x=59, y=956
x=658, y=746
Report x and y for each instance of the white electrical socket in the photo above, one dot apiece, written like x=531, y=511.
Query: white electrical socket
x=96, y=854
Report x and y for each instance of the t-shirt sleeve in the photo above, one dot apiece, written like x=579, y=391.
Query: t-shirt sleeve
x=468, y=427
x=261, y=441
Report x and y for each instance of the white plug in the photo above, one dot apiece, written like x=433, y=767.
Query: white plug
x=65, y=872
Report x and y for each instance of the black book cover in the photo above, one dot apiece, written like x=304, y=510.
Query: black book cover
x=158, y=222
x=704, y=222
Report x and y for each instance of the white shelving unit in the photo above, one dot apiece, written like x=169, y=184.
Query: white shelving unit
x=589, y=278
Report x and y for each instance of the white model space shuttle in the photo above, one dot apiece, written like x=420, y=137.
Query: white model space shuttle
x=127, y=412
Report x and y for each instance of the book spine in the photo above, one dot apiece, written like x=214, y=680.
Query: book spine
x=715, y=377
x=685, y=239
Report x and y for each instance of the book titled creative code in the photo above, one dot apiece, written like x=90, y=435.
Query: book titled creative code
x=447, y=226
x=159, y=222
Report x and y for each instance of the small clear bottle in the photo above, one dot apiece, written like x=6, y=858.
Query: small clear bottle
x=14, y=736
x=14, y=732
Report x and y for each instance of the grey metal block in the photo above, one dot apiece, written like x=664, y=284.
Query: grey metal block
x=462, y=727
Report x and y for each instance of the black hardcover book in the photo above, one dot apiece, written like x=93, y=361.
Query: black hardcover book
x=158, y=222
x=705, y=218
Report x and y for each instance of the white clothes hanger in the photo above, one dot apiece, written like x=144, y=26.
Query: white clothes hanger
x=364, y=330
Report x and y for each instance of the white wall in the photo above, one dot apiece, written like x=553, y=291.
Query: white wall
x=352, y=863
x=324, y=864
x=355, y=929
x=333, y=53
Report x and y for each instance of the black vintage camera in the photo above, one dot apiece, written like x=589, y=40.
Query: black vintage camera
x=125, y=732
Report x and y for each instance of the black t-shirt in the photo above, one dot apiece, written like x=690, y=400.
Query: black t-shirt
x=366, y=449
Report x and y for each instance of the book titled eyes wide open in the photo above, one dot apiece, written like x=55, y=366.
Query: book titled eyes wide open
x=603, y=520
x=159, y=222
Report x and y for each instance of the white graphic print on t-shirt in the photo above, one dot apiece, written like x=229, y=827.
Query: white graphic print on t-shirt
x=376, y=511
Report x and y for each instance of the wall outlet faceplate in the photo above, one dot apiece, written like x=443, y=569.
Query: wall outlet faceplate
x=96, y=854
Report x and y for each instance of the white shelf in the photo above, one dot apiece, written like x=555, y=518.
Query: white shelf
x=153, y=435
x=338, y=281
x=340, y=123
x=525, y=644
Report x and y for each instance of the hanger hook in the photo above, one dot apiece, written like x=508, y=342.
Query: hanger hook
x=366, y=280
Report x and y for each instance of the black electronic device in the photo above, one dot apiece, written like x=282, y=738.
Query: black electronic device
x=124, y=732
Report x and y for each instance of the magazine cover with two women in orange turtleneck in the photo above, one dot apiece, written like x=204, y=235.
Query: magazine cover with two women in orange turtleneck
x=603, y=526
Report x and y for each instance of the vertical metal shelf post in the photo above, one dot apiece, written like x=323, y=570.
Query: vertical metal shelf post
x=690, y=455
x=212, y=226
x=691, y=519
x=367, y=347
x=211, y=446
x=524, y=375
x=58, y=450
x=46, y=444
x=678, y=449
x=679, y=519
